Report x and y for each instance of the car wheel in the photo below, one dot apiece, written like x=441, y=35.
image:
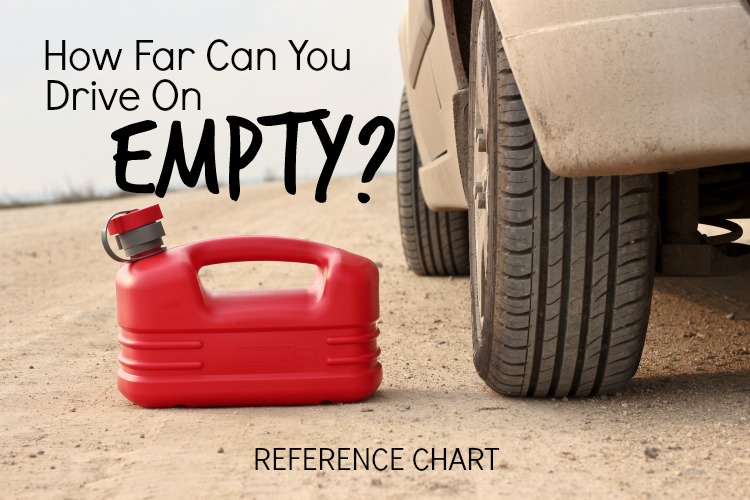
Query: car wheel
x=561, y=268
x=435, y=243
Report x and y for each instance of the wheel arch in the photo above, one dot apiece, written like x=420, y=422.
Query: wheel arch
x=610, y=88
x=434, y=42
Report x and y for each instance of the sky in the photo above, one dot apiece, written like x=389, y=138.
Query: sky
x=44, y=152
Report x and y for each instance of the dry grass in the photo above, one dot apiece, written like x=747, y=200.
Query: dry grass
x=71, y=194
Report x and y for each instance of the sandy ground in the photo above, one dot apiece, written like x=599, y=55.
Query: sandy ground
x=65, y=431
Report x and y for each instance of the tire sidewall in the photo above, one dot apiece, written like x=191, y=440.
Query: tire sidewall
x=482, y=330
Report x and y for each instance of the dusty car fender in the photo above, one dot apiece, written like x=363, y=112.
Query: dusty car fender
x=633, y=86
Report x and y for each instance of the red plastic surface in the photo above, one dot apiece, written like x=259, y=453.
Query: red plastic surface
x=134, y=219
x=185, y=345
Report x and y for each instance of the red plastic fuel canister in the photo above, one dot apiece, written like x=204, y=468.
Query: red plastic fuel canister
x=183, y=344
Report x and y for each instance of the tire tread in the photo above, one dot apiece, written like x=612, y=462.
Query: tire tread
x=434, y=243
x=574, y=268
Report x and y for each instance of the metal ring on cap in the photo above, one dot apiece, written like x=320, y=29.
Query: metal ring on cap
x=111, y=253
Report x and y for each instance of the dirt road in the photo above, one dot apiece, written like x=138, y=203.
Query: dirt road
x=680, y=429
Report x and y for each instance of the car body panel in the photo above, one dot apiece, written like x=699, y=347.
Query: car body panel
x=430, y=99
x=417, y=35
x=612, y=88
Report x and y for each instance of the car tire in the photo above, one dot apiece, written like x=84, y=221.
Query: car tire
x=435, y=243
x=562, y=268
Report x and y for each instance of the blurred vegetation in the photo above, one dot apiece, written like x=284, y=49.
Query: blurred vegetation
x=87, y=192
x=71, y=194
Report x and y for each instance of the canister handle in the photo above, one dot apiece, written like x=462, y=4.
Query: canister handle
x=259, y=248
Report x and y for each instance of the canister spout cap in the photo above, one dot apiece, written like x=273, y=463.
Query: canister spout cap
x=137, y=232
